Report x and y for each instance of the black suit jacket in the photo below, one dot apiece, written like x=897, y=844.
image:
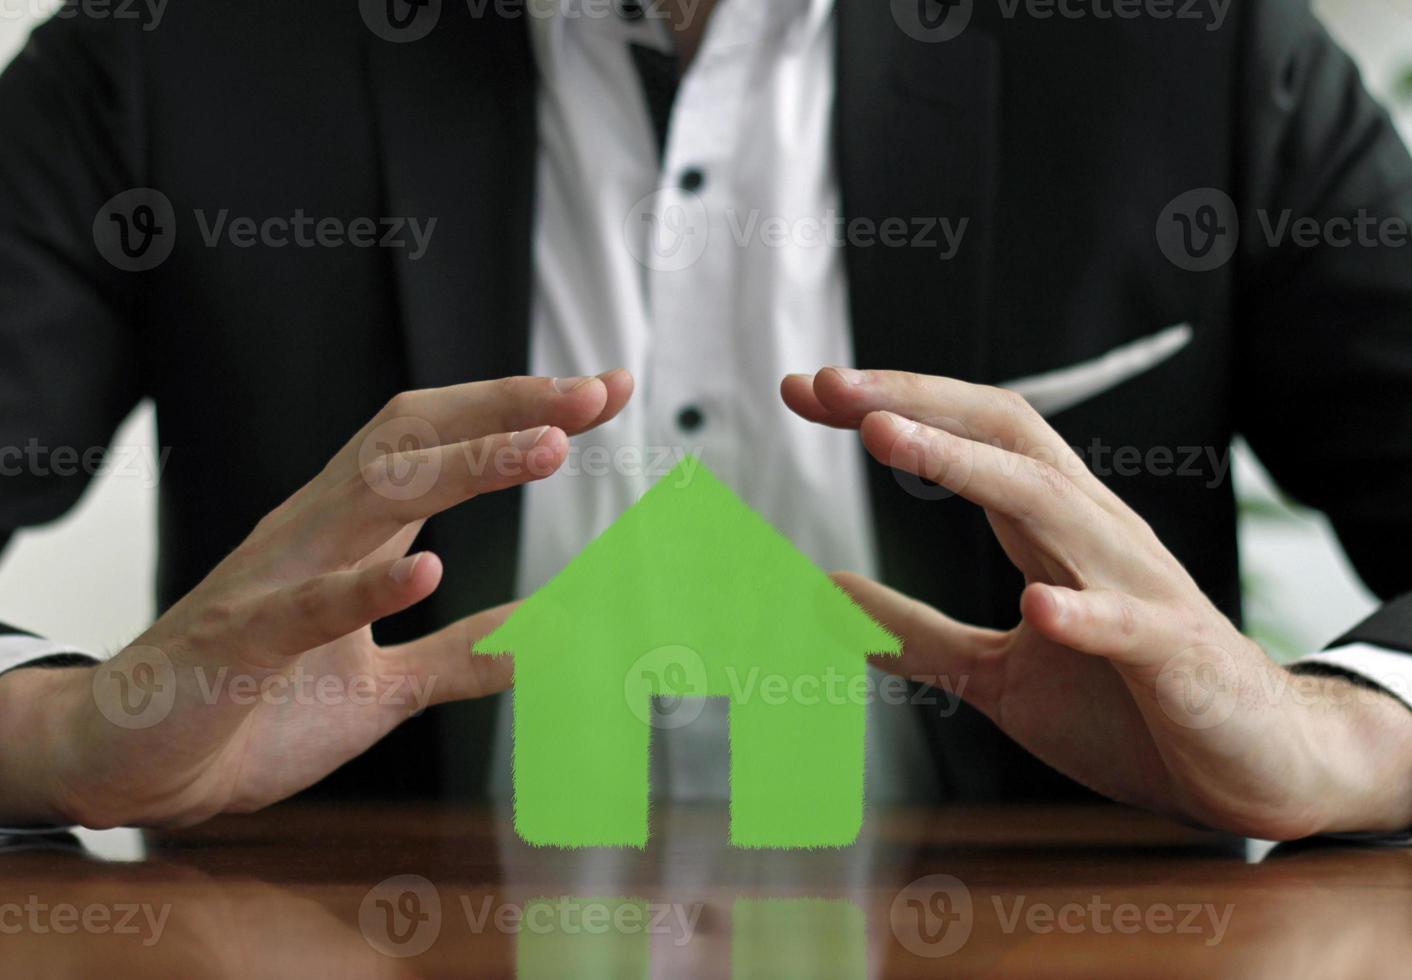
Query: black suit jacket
x=1060, y=141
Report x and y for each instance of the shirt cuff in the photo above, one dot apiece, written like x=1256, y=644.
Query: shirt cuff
x=22, y=650
x=1384, y=668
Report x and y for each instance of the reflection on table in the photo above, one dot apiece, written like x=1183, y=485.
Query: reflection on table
x=425, y=891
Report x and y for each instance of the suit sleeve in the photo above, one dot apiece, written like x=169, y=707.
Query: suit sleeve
x=69, y=366
x=1323, y=376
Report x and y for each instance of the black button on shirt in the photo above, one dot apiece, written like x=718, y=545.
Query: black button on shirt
x=690, y=419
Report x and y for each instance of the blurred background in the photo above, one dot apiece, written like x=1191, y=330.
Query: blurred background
x=87, y=579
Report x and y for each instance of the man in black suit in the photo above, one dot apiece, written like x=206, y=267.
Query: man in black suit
x=1101, y=167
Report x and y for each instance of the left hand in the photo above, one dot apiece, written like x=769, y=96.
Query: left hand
x=1121, y=673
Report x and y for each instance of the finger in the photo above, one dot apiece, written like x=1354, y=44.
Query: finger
x=375, y=504
x=418, y=420
x=326, y=607
x=1032, y=493
x=395, y=547
x=482, y=408
x=619, y=384
x=1102, y=622
x=989, y=413
x=445, y=667
x=936, y=649
x=797, y=391
x=979, y=412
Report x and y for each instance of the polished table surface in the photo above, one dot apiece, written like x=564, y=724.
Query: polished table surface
x=338, y=891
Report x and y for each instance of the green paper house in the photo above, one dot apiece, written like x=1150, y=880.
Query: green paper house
x=689, y=594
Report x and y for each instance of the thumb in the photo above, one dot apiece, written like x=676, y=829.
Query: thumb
x=1118, y=627
x=936, y=649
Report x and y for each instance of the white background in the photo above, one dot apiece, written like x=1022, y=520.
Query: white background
x=87, y=579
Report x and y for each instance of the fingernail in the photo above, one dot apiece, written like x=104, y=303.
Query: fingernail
x=801, y=375
x=851, y=376
x=565, y=385
x=401, y=571
x=1060, y=603
x=904, y=426
x=528, y=439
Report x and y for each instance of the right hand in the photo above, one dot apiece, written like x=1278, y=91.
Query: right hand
x=265, y=677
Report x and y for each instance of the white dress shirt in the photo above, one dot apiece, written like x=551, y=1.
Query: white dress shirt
x=709, y=296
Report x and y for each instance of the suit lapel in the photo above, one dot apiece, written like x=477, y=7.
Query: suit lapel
x=916, y=134
x=456, y=121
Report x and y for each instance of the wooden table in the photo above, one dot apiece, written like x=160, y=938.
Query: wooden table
x=306, y=891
